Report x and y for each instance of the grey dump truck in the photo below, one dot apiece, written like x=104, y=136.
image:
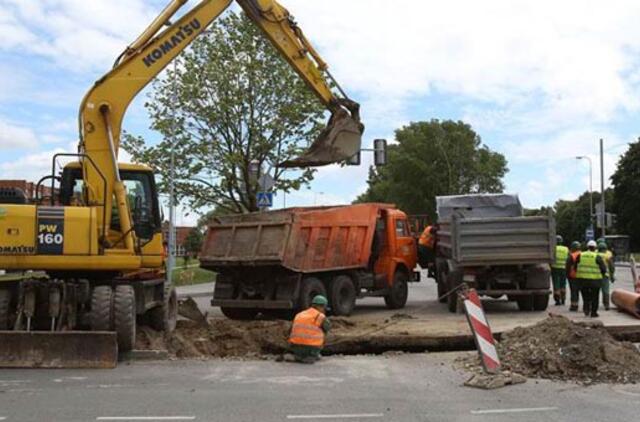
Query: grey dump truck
x=486, y=242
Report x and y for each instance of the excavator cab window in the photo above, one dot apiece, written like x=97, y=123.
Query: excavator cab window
x=142, y=199
x=141, y=195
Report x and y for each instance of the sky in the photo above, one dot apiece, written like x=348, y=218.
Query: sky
x=540, y=81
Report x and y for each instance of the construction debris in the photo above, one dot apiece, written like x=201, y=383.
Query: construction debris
x=560, y=349
x=493, y=381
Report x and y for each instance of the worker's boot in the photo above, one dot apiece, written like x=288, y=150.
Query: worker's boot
x=556, y=298
x=563, y=296
x=573, y=307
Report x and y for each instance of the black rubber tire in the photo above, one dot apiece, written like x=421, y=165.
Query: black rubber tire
x=342, y=296
x=540, y=302
x=101, y=314
x=165, y=317
x=310, y=288
x=239, y=314
x=398, y=292
x=441, y=283
x=124, y=310
x=5, y=309
x=525, y=303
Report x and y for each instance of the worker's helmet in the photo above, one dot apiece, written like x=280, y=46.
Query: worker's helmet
x=559, y=239
x=602, y=246
x=575, y=245
x=601, y=240
x=592, y=244
x=320, y=301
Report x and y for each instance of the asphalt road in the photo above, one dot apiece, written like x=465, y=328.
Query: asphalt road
x=419, y=387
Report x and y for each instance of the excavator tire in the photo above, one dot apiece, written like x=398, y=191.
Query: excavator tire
x=5, y=303
x=164, y=318
x=101, y=308
x=124, y=304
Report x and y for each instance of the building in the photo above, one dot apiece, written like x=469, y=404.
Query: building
x=29, y=188
x=181, y=236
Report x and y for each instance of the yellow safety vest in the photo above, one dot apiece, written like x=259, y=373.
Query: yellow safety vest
x=606, y=256
x=562, y=253
x=588, y=268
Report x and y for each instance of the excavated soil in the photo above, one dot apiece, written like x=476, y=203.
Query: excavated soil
x=560, y=349
x=219, y=339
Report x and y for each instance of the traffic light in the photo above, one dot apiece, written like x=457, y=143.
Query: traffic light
x=355, y=160
x=380, y=152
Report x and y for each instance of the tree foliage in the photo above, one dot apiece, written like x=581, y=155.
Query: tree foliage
x=193, y=241
x=234, y=100
x=431, y=159
x=626, y=186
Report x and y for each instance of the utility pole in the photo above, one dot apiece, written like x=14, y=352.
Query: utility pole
x=591, y=212
x=603, y=215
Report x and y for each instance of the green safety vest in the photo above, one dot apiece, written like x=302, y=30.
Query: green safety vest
x=606, y=256
x=588, y=268
x=562, y=253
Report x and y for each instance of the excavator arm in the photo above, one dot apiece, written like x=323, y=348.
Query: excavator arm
x=103, y=108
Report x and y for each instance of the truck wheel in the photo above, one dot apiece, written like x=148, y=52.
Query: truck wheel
x=124, y=307
x=5, y=303
x=399, y=291
x=342, y=296
x=441, y=282
x=100, y=316
x=239, y=314
x=311, y=287
x=164, y=318
x=540, y=302
x=525, y=303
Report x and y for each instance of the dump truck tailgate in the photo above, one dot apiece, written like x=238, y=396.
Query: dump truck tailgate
x=498, y=240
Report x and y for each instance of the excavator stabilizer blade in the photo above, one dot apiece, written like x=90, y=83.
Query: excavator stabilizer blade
x=338, y=142
x=61, y=349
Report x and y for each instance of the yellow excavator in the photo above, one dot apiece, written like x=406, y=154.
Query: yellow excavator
x=92, y=250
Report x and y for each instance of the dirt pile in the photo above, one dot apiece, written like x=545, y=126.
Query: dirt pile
x=219, y=339
x=560, y=349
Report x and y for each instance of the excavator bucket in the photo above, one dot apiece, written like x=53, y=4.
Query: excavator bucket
x=61, y=349
x=338, y=142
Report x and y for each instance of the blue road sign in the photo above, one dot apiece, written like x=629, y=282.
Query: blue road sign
x=265, y=199
x=590, y=234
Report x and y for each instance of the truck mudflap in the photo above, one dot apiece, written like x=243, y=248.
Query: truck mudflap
x=61, y=349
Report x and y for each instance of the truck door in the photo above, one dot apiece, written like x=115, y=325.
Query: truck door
x=405, y=246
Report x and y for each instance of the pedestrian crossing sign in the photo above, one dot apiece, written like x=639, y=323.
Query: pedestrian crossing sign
x=265, y=199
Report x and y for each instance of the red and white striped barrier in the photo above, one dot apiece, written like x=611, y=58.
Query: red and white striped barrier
x=481, y=331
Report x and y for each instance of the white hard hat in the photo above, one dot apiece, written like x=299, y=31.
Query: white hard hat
x=592, y=244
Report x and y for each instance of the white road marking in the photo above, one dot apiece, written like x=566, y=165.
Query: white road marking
x=351, y=416
x=2, y=418
x=520, y=410
x=145, y=418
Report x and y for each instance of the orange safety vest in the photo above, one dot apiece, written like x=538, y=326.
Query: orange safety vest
x=427, y=238
x=307, y=328
x=574, y=267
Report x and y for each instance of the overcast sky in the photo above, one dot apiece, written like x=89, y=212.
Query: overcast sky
x=540, y=81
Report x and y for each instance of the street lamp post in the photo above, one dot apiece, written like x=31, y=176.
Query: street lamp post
x=584, y=157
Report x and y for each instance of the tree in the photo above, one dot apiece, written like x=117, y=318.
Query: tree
x=431, y=159
x=193, y=242
x=236, y=100
x=626, y=185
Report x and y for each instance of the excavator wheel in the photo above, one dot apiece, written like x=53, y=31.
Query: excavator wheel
x=124, y=309
x=5, y=309
x=164, y=318
x=101, y=308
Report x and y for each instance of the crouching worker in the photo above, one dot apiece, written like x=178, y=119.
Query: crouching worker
x=308, y=331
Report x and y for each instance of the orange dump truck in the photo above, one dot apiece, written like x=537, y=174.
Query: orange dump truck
x=277, y=261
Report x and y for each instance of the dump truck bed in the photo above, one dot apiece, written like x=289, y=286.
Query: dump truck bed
x=303, y=240
x=497, y=240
